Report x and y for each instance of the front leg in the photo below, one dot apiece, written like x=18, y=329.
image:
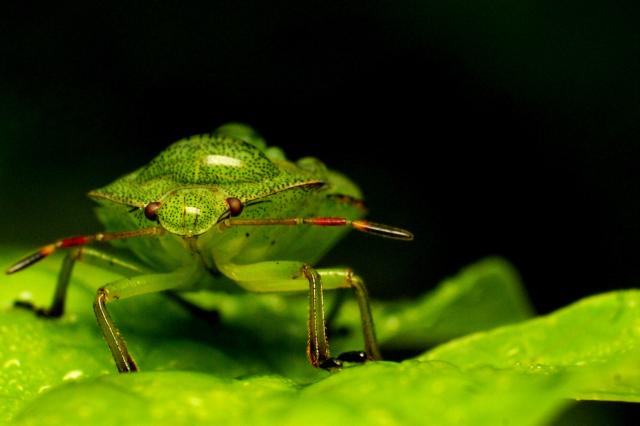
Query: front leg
x=128, y=287
x=278, y=276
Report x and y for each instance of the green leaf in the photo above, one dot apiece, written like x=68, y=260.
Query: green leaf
x=380, y=393
x=598, y=336
x=251, y=368
x=482, y=296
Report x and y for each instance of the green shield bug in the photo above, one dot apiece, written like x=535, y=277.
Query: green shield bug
x=218, y=207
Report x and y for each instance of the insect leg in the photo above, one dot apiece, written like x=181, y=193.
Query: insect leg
x=277, y=276
x=128, y=287
x=85, y=254
x=317, y=344
x=368, y=330
x=345, y=278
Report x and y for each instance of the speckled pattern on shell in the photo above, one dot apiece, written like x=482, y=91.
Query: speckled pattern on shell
x=206, y=159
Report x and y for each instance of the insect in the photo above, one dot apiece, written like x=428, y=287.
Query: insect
x=222, y=207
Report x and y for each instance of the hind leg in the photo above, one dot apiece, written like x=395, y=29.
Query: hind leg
x=87, y=255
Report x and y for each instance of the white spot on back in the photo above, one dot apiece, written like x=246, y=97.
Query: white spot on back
x=222, y=160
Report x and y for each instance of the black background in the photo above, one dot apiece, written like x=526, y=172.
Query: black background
x=490, y=128
x=506, y=128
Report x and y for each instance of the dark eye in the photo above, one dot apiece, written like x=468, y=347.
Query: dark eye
x=235, y=206
x=151, y=210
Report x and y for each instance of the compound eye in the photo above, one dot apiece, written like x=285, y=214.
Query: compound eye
x=151, y=210
x=235, y=206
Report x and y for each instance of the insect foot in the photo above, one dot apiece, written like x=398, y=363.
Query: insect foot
x=354, y=356
x=332, y=364
x=39, y=311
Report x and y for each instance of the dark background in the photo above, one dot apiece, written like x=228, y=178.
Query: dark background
x=506, y=128
x=485, y=127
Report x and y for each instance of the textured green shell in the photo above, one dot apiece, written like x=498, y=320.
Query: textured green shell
x=227, y=165
x=192, y=179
